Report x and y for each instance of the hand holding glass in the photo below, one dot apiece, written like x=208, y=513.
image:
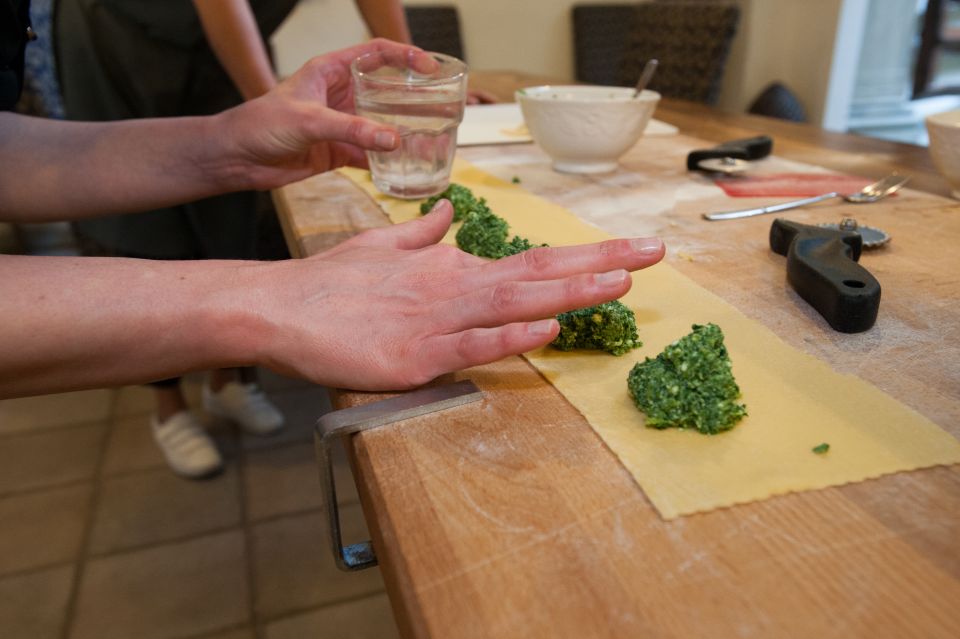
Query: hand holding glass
x=425, y=107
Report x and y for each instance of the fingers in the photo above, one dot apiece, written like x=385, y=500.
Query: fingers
x=478, y=346
x=554, y=263
x=380, y=52
x=328, y=125
x=510, y=302
x=344, y=155
x=508, y=319
x=415, y=234
x=478, y=96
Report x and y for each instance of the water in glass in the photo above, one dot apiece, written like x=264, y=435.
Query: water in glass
x=427, y=120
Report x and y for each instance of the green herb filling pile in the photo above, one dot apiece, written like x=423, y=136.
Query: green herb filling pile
x=821, y=449
x=609, y=327
x=689, y=385
x=485, y=234
x=460, y=197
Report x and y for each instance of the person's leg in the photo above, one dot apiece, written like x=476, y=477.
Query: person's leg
x=170, y=399
x=234, y=394
x=185, y=444
x=226, y=227
x=220, y=377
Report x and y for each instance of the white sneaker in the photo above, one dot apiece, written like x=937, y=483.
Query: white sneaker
x=186, y=445
x=246, y=405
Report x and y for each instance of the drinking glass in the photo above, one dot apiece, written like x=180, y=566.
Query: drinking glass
x=426, y=108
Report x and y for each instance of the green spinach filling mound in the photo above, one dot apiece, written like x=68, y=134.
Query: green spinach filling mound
x=485, y=234
x=462, y=199
x=609, y=327
x=689, y=385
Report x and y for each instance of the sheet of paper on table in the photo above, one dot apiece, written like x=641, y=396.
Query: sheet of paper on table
x=503, y=124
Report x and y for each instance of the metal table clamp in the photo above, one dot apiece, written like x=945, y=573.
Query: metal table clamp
x=340, y=424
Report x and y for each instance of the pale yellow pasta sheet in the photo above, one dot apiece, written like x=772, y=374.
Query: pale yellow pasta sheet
x=795, y=401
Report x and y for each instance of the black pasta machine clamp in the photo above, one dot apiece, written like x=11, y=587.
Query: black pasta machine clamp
x=730, y=157
x=822, y=267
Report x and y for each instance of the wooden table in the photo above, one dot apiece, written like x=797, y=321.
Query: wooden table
x=512, y=518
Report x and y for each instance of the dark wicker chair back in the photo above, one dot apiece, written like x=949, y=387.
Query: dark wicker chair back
x=436, y=28
x=600, y=35
x=691, y=40
x=777, y=101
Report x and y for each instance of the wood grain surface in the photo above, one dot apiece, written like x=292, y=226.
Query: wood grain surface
x=510, y=517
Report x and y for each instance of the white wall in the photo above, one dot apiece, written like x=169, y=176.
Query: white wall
x=787, y=40
x=316, y=26
x=535, y=36
x=791, y=41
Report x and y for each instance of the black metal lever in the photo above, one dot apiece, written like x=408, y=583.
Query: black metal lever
x=745, y=149
x=822, y=267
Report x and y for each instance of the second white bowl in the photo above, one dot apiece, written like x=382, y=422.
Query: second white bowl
x=944, y=130
x=586, y=129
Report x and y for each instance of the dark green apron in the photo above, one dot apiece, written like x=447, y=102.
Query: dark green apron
x=121, y=59
x=14, y=20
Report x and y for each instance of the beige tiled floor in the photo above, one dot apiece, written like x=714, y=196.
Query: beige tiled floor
x=99, y=539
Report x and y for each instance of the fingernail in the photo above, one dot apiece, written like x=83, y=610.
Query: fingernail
x=611, y=278
x=385, y=139
x=543, y=327
x=437, y=206
x=646, y=245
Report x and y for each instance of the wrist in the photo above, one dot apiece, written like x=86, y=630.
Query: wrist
x=234, y=323
x=223, y=162
x=256, y=83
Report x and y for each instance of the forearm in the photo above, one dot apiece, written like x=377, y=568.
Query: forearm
x=385, y=310
x=231, y=29
x=68, y=323
x=54, y=170
x=385, y=19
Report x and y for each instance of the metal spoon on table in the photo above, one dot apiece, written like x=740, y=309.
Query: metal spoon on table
x=870, y=193
x=648, y=70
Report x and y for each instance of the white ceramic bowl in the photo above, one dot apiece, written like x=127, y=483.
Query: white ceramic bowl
x=586, y=129
x=944, y=130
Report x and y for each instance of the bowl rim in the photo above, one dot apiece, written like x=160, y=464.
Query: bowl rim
x=541, y=93
x=949, y=118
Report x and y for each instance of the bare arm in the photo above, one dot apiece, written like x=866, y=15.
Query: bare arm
x=388, y=309
x=65, y=326
x=68, y=170
x=231, y=29
x=385, y=19
x=65, y=170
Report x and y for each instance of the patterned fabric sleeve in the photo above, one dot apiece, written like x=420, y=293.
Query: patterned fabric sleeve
x=41, y=91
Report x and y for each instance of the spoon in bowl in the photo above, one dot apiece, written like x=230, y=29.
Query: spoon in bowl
x=648, y=70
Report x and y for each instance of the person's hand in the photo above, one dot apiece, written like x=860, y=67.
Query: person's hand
x=479, y=96
x=391, y=309
x=306, y=124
